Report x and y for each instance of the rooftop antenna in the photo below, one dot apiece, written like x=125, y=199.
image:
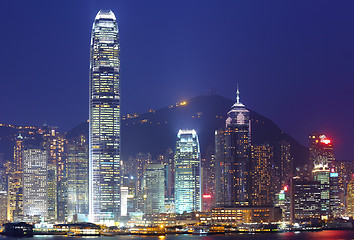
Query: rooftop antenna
x=237, y=95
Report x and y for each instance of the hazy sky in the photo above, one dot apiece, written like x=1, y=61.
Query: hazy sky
x=293, y=60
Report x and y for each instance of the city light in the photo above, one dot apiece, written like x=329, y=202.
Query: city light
x=206, y=195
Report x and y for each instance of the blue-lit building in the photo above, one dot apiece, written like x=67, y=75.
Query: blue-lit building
x=104, y=139
x=187, y=172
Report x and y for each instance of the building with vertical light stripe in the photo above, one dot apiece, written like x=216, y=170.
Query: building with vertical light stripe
x=104, y=142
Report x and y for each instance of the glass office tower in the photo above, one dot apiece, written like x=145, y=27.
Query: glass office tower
x=187, y=172
x=154, y=177
x=104, y=143
x=77, y=152
x=34, y=184
x=232, y=146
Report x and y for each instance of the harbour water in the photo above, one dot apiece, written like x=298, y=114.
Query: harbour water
x=321, y=235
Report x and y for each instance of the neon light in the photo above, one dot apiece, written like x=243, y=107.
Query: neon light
x=326, y=141
x=285, y=188
x=206, y=196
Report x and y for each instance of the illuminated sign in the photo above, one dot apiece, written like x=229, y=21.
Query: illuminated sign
x=281, y=196
x=324, y=139
x=333, y=174
x=206, y=196
x=285, y=188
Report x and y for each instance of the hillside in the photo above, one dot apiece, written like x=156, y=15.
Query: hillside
x=155, y=131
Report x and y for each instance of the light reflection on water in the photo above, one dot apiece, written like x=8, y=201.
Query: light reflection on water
x=321, y=235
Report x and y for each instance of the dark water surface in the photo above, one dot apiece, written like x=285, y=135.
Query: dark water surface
x=324, y=235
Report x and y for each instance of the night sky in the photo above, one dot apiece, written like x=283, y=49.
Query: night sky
x=293, y=60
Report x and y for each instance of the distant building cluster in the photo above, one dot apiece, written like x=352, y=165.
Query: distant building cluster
x=55, y=178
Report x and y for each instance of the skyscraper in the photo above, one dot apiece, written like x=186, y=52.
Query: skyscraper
x=187, y=172
x=334, y=195
x=321, y=150
x=34, y=184
x=261, y=175
x=15, y=184
x=232, y=146
x=306, y=200
x=321, y=175
x=77, y=152
x=54, y=144
x=154, y=176
x=104, y=143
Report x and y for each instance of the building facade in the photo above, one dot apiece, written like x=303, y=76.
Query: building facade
x=187, y=172
x=104, y=121
x=154, y=178
x=232, y=146
x=334, y=195
x=350, y=198
x=35, y=204
x=77, y=154
x=321, y=175
x=306, y=200
x=321, y=150
x=261, y=175
x=15, y=184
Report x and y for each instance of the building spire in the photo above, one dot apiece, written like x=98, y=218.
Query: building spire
x=237, y=95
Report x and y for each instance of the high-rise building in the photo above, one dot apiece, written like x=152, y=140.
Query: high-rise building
x=232, y=146
x=104, y=142
x=170, y=173
x=34, y=184
x=169, y=181
x=3, y=194
x=283, y=200
x=321, y=175
x=261, y=175
x=321, y=150
x=54, y=144
x=334, y=195
x=141, y=160
x=282, y=156
x=77, y=155
x=187, y=172
x=154, y=177
x=306, y=200
x=350, y=198
x=208, y=178
x=15, y=184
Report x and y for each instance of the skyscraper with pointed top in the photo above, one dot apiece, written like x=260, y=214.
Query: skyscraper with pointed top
x=232, y=147
x=104, y=142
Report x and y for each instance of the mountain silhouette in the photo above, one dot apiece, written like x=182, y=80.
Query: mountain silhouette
x=156, y=131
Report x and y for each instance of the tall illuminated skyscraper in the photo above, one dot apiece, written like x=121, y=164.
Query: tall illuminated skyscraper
x=187, y=172
x=35, y=184
x=104, y=143
x=232, y=147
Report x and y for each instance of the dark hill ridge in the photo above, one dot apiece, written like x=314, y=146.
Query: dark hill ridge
x=155, y=131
